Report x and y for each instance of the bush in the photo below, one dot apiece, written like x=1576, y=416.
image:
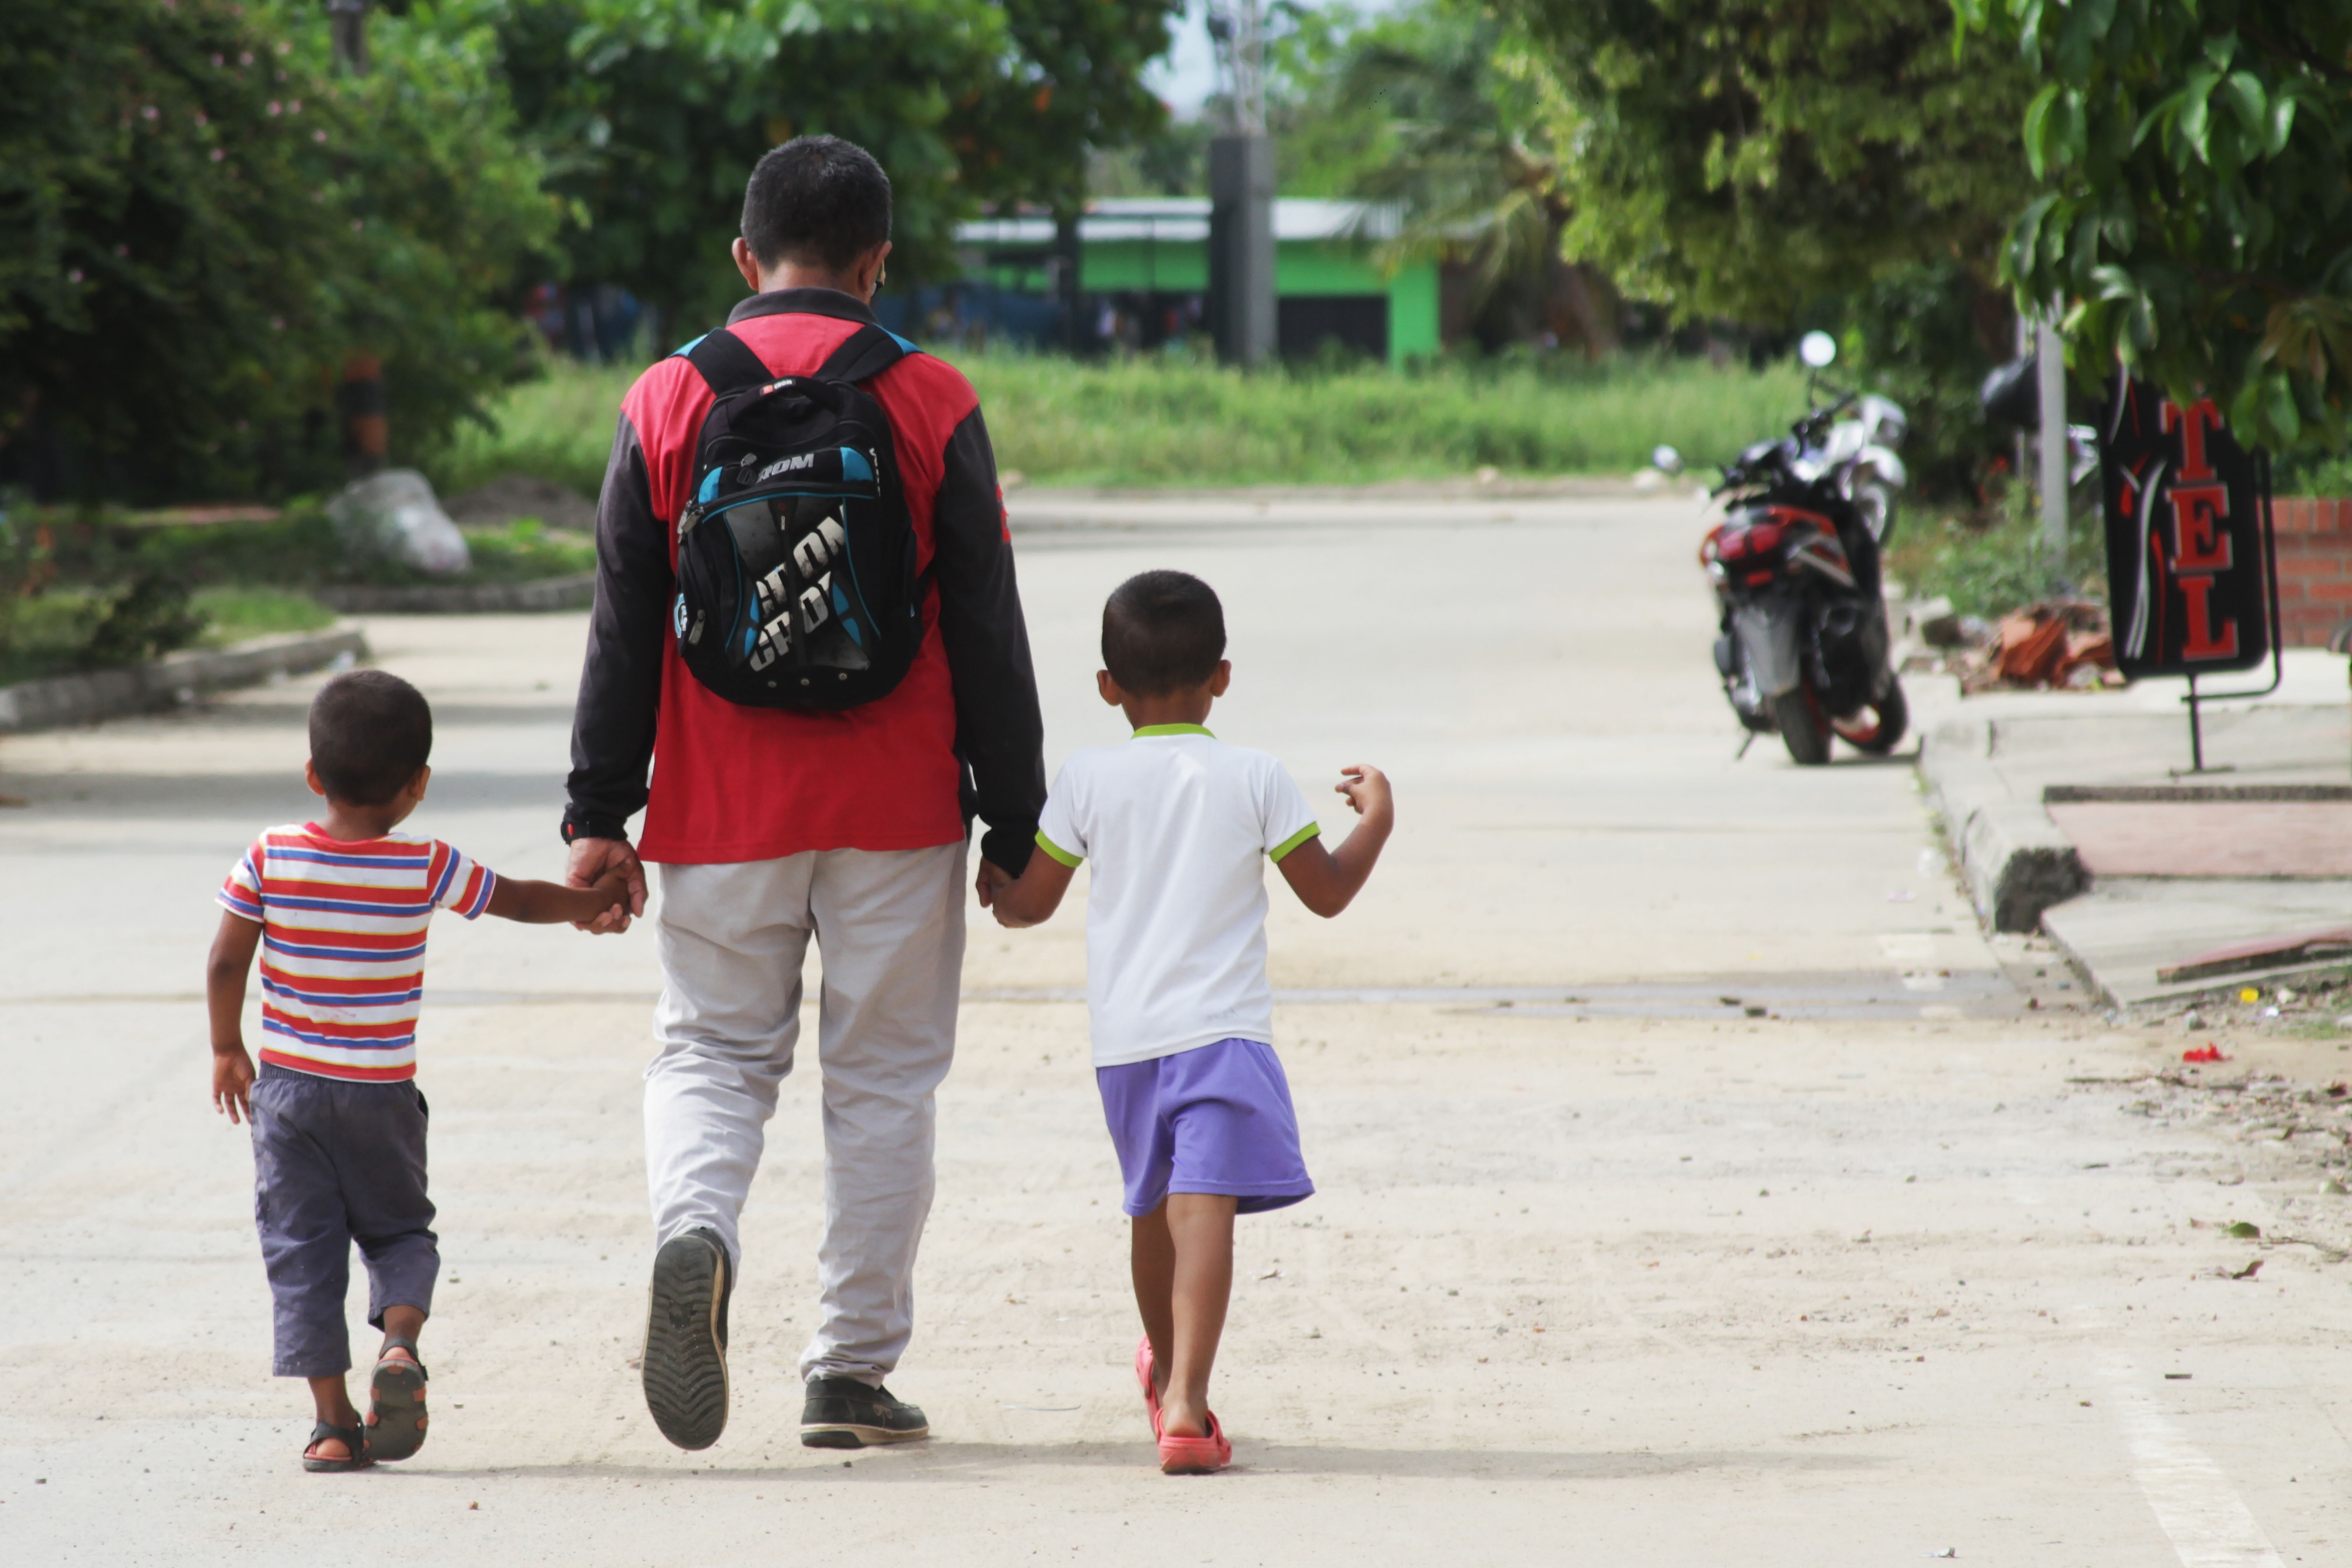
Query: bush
x=199, y=223
x=1990, y=562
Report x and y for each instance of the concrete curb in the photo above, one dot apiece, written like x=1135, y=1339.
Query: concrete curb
x=170, y=680
x=2013, y=858
x=573, y=592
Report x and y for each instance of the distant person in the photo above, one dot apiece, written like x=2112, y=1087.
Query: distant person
x=1176, y=823
x=337, y=908
x=774, y=826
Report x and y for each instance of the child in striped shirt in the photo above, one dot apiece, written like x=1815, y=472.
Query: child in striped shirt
x=337, y=908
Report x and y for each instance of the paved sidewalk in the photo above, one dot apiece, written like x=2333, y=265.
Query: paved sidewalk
x=2079, y=814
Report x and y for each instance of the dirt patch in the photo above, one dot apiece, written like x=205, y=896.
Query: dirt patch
x=517, y=495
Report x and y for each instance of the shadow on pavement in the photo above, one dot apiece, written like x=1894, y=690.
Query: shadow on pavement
x=937, y=1460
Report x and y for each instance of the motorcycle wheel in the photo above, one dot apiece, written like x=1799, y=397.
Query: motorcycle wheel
x=1875, y=502
x=1875, y=727
x=1804, y=727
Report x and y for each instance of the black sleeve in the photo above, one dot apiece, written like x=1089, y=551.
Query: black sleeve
x=1000, y=735
x=620, y=684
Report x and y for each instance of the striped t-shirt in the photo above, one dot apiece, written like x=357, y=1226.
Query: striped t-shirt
x=342, y=942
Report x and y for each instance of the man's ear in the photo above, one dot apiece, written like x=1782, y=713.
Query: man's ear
x=1223, y=679
x=867, y=275
x=746, y=264
x=311, y=777
x=1109, y=688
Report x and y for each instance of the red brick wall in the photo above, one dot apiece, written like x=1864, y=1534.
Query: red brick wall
x=2315, y=565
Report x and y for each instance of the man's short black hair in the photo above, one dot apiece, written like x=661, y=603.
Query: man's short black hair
x=816, y=201
x=370, y=733
x=1162, y=632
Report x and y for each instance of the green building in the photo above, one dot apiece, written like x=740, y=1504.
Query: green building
x=1143, y=277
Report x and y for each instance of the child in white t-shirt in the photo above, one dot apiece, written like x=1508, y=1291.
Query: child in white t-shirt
x=1176, y=822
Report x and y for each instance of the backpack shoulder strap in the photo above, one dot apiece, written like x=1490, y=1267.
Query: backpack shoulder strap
x=865, y=353
x=725, y=362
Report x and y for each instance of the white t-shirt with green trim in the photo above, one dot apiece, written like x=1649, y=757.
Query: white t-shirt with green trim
x=1175, y=822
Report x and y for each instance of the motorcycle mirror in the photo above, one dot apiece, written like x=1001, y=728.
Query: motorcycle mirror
x=1666, y=460
x=1818, y=349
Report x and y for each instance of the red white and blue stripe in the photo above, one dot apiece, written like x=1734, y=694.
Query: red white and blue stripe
x=342, y=944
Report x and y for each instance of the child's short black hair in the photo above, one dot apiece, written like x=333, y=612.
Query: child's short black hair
x=1162, y=631
x=370, y=732
x=815, y=201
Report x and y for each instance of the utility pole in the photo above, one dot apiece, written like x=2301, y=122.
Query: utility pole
x=359, y=396
x=2050, y=366
x=1242, y=301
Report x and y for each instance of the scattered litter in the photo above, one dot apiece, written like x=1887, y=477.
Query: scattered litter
x=1900, y=895
x=2333, y=1185
x=1947, y=1551
x=2191, y=1021
x=1753, y=1012
x=474, y=1507
x=2269, y=1012
x=2248, y=995
x=2203, y=1054
x=1271, y=1274
x=2244, y=1230
x=2248, y=1272
x=2178, y=1376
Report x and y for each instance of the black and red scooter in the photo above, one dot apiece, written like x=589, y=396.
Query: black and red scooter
x=1804, y=645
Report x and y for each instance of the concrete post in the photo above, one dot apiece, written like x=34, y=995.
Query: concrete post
x=2051, y=387
x=1240, y=249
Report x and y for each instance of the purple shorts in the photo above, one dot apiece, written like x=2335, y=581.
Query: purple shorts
x=1215, y=1119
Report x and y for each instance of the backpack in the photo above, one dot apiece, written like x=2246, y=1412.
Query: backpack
x=797, y=584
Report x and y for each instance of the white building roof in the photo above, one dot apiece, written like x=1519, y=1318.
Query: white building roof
x=1186, y=219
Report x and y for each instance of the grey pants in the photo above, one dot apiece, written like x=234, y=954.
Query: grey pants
x=336, y=1162
x=889, y=933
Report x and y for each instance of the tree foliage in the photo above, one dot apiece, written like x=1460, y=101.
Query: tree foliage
x=1743, y=158
x=197, y=225
x=652, y=112
x=2195, y=219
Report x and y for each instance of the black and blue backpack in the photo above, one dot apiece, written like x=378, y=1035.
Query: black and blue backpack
x=797, y=582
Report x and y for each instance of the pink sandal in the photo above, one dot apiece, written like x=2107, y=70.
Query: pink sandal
x=1143, y=1377
x=1196, y=1456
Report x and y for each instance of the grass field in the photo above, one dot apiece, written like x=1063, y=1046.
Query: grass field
x=1171, y=423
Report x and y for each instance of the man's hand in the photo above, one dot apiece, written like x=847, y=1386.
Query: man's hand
x=233, y=1082
x=992, y=876
x=592, y=860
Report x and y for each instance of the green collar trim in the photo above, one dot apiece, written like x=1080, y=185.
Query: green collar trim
x=1173, y=729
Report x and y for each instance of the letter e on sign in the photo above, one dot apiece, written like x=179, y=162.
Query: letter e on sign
x=2198, y=543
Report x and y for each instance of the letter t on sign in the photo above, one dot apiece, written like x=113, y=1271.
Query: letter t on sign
x=2192, y=423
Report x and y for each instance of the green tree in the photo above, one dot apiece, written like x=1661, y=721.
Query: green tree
x=652, y=111
x=197, y=225
x=1744, y=159
x=2195, y=219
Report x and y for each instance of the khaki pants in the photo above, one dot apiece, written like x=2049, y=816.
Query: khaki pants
x=890, y=934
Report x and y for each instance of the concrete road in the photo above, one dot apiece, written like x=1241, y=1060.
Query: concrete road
x=1695, y=1188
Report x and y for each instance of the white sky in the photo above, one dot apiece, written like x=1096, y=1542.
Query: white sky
x=1187, y=74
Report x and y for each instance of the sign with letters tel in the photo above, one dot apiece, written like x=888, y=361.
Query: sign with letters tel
x=2188, y=567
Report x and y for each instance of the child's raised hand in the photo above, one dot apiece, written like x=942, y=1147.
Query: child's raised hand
x=1367, y=789
x=233, y=1084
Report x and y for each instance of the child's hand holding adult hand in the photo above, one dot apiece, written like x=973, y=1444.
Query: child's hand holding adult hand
x=233, y=1083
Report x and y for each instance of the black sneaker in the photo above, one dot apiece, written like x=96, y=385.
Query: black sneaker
x=843, y=1412
x=685, y=1363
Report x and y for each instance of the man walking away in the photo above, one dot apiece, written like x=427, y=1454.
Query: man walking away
x=773, y=825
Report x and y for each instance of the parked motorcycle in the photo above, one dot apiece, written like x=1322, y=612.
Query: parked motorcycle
x=1805, y=647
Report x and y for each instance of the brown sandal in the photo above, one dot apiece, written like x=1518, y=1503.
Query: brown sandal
x=395, y=1416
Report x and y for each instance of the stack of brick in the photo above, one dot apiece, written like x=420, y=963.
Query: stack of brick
x=2315, y=565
